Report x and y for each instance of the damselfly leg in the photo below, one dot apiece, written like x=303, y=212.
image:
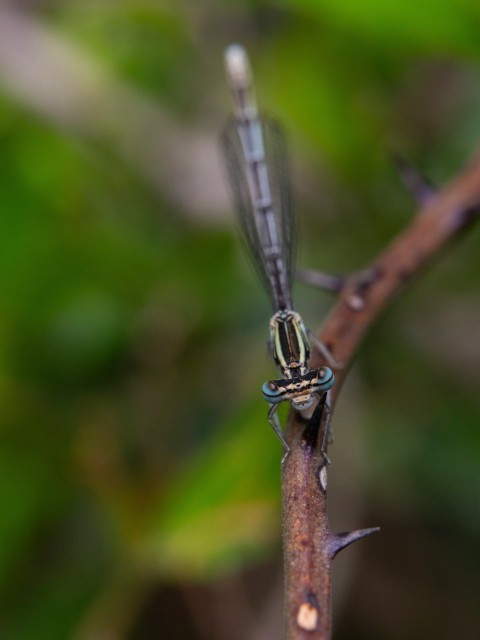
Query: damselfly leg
x=324, y=351
x=325, y=424
x=272, y=416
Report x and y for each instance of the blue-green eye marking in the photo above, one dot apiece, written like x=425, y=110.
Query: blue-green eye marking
x=326, y=380
x=272, y=393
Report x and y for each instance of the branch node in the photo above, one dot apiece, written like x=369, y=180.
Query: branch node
x=341, y=540
x=363, y=280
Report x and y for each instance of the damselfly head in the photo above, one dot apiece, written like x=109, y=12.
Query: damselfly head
x=298, y=391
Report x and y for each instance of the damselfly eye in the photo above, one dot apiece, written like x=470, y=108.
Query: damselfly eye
x=325, y=380
x=272, y=393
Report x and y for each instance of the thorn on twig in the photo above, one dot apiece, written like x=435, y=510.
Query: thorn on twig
x=327, y=281
x=418, y=185
x=341, y=540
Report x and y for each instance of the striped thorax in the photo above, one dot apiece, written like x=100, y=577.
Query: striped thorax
x=291, y=350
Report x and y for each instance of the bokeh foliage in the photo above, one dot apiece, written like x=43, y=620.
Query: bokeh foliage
x=134, y=450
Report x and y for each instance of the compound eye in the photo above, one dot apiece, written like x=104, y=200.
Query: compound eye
x=272, y=393
x=325, y=379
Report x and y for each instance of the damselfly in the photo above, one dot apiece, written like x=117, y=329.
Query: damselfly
x=255, y=153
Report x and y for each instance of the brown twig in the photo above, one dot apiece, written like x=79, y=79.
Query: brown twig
x=309, y=544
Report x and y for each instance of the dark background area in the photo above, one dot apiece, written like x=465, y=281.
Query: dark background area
x=139, y=479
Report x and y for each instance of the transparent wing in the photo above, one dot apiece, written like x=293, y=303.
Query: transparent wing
x=275, y=274
x=277, y=157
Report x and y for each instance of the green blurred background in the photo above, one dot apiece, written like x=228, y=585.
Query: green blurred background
x=139, y=480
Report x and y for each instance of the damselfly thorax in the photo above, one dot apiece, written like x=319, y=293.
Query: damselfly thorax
x=290, y=347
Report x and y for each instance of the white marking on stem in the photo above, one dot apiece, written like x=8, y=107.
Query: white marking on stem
x=307, y=617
